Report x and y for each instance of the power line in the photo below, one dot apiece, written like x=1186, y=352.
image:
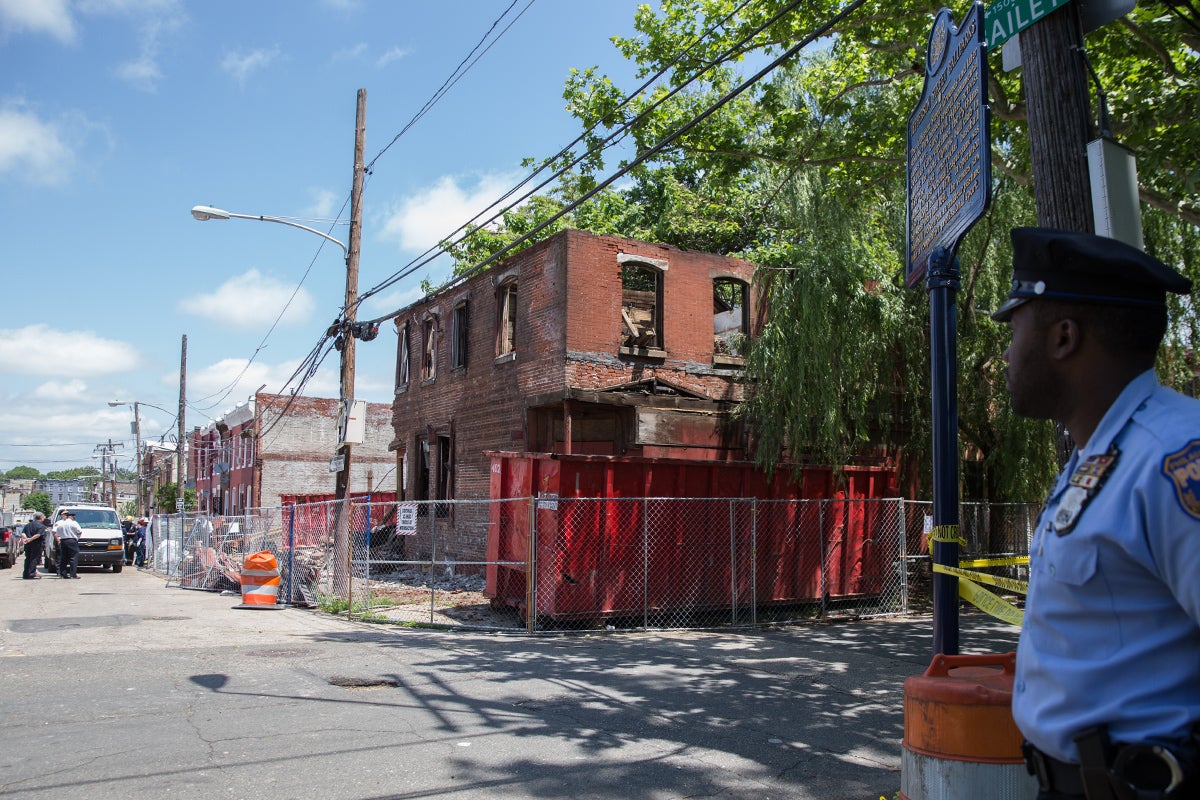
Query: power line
x=654, y=150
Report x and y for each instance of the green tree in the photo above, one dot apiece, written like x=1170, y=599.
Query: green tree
x=74, y=473
x=38, y=501
x=164, y=498
x=22, y=473
x=804, y=174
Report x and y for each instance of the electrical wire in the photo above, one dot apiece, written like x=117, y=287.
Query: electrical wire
x=472, y=228
x=458, y=73
x=656, y=148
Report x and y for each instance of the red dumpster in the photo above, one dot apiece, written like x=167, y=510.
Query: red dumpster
x=617, y=535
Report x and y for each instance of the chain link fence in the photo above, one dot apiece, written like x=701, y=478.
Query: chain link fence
x=610, y=562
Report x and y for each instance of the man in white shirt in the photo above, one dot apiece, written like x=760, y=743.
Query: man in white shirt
x=67, y=533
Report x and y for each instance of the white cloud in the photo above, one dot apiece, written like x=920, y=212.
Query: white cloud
x=33, y=149
x=210, y=385
x=395, y=54
x=38, y=16
x=241, y=65
x=252, y=300
x=323, y=205
x=379, y=304
x=436, y=211
x=61, y=390
x=39, y=350
x=350, y=53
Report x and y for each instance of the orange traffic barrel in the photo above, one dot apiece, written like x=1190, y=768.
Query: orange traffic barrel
x=960, y=740
x=260, y=581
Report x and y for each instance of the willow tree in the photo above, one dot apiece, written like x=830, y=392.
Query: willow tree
x=804, y=175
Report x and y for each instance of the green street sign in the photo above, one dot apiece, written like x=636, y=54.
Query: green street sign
x=1004, y=19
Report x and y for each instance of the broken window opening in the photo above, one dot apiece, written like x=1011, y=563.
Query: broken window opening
x=429, y=349
x=402, y=358
x=641, y=306
x=458, y=331
x=506, y=319
x=731, y=316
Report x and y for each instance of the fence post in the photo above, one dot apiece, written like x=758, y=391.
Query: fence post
x=754, y=561
x=531, y=566
x=903, y=549
x=732, y=568
x=433, y=512
x=291, y=563
x=348, y=510
x=824, y=564
x=645, y=563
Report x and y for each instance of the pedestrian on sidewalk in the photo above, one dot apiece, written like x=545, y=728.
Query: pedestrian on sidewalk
x=1107, y=685
x=139, y=543
x=33, y=538
x=67, y=533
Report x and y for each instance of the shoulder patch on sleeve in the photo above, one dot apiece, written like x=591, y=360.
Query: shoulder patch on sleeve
x=1183, y=469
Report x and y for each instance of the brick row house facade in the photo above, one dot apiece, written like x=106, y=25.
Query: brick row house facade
x=581, y=344
x=275, y=450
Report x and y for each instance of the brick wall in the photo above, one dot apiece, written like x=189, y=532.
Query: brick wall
x=568, y=335
x=293, y=445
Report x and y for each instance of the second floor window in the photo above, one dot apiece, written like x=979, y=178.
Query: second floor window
x=459, y=324
x=506, y=319
x=641, y=306
x=402, y=369
x=731, y=317
x=429, y=349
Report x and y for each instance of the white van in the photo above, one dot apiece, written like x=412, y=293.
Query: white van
x=102, y=543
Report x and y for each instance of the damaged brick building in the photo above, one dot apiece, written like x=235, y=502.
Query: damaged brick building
x=582, y=344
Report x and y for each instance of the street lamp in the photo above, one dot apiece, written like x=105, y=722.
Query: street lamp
x=205, y=213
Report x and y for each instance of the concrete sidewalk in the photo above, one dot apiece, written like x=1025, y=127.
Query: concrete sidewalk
x=123, y=688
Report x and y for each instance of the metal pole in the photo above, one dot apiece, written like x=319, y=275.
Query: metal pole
x=531, y=570
x=645, y=565
x=821, y=539
x=291, y=549
x=180, y=463
x=732, y=569
x=942, y=285
x=138, y=505
x=754, y=560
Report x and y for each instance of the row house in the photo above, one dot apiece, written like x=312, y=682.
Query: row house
x=581, y=344
x=275, y=450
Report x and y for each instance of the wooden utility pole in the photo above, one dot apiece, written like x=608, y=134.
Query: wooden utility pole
x=180, y=477
x=1060, y=119
x=342, y=522
x=342, y=485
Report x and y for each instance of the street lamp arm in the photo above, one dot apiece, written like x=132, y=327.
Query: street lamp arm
x=203, y=213
x=115, y=403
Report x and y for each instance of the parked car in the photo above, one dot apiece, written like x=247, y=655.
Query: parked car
x=102, y=543
x=10, y=546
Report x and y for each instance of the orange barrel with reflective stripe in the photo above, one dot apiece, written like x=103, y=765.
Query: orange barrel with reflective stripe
x=960, y=740
x=260, y=580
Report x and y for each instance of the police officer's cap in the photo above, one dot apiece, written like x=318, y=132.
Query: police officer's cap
x=1085, y=268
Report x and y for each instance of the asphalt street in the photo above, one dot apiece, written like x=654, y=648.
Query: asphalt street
x=117, y=687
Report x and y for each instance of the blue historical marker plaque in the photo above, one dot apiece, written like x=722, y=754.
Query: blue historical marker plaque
x=949, y=146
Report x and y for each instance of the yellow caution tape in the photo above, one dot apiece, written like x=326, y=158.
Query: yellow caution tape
x=946, y=533
x=982, y=577
x=989, y=603
x=1013, y=561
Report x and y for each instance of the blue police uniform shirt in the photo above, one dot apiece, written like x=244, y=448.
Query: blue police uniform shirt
x=1112, y=623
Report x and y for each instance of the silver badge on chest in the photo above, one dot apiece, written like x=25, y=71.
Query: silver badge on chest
x=1085, y=483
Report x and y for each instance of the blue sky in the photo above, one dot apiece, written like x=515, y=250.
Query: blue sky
x=118, y=116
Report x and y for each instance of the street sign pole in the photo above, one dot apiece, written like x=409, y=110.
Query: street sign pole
x=949, y=188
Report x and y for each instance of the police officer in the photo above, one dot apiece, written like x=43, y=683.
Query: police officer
x=1107, y=687
x=67, y=533
x=33, y=536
